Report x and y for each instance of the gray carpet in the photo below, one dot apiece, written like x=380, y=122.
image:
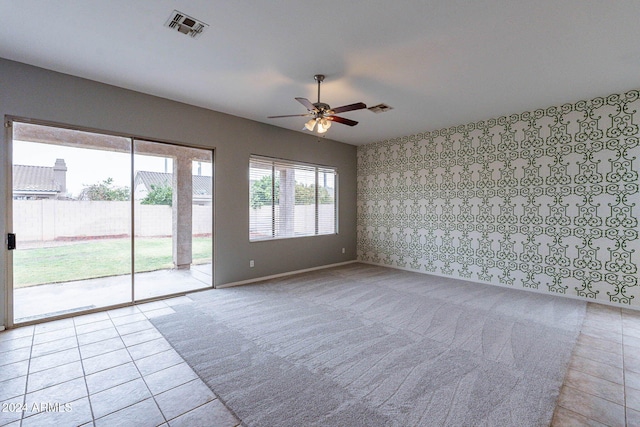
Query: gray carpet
x=362, y=345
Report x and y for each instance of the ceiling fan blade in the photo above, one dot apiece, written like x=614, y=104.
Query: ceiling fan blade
x=307, y=104
x=350, y=107
x=342, y=120
x=289, y=115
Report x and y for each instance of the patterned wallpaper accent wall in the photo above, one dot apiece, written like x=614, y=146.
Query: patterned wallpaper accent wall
x=544, y=200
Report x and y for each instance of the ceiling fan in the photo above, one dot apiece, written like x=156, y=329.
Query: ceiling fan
x=322, y=114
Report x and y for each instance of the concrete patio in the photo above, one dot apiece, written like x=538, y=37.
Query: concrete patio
x=41, y=301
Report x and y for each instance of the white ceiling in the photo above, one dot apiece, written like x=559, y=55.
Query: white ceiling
x=438, y=63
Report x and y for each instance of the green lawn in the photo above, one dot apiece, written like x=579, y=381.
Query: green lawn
x=99, y=258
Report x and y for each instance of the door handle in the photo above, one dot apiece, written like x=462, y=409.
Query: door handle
x=11, y=241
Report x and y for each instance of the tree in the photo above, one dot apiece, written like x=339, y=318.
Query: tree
x=105, y=190
x=261, y=192
x=159, y=195
x=324, y=197
x=305, y=194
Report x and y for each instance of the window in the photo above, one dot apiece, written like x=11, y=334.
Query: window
x=290, y=199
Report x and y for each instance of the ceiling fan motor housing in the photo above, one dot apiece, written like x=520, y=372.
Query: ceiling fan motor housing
x=322, y=113
x=321, y=106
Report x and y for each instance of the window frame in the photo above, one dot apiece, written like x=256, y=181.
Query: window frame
x=317, y=169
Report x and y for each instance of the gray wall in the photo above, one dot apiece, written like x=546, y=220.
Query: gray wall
x=39, y=94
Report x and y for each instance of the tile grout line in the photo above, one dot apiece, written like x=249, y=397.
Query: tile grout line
x=574, y=412
x=599, y=378
x=140, y=373
x=84, y=373
x=624, y=394
x=216, y=397
x=564, y=385
x=26, y=382
x=167, y=420
x=192, y=409
x=143, y=377
x=593, y=395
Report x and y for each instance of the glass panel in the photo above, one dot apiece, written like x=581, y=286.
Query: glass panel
x=303, y=204
x=326, y=201
x=203, y=219
x=173, y=214
x=260, y=200
x=72, y=220
x=297, y=202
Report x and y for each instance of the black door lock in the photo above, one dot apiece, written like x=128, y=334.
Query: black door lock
x=11, y=241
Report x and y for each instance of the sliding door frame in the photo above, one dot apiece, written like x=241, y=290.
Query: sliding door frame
x=7, y=156
x=6, y=153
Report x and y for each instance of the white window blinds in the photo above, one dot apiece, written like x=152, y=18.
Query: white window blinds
x=288, y=199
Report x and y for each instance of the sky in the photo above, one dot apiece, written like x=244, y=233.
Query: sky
x=87, y=166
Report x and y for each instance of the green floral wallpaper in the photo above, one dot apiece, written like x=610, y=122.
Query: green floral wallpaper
x=545, y=200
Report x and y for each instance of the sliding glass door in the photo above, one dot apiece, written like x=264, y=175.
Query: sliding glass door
x=173, y=219
x=76, y=198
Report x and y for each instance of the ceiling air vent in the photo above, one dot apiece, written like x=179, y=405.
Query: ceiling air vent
x=185, y=24
x=380, y=108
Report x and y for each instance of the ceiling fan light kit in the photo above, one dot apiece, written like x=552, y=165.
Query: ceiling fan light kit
x=322, y=114
x=310, y=125
x=323, y=125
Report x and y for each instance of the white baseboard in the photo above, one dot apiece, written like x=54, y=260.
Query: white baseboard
x=289, y=273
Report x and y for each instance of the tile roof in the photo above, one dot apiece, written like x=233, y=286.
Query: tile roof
x=201, y=184
x=34, y=178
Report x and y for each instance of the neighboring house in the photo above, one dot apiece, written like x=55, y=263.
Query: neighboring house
x=40, y=182
x=145, y=179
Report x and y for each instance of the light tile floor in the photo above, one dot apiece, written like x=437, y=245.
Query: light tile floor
x=115, y=369
x=602, y=385
x=105, y=369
